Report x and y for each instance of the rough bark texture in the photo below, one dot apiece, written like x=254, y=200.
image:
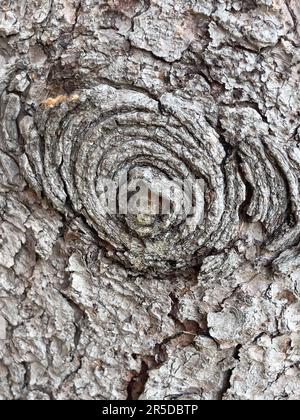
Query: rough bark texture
x=90, y=309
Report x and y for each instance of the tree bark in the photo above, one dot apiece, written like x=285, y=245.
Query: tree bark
x=98, y=306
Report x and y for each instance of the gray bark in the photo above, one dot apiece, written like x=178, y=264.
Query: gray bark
x=93, y=307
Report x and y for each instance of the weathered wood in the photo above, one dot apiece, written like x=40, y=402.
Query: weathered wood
x=101, y=306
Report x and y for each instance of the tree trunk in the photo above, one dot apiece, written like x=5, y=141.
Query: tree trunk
x=95, y=305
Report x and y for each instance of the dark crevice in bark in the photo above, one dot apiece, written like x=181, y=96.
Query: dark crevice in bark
x=27, y=375
x=79, y=318
x=228, y=375
x=72, y=374
x=226, y=384
x=155, y=56
x=248, y=104
x=293, y=15
x=296, y=134
x=137, y=384
x=188, y=329
x=291, y=216
x=77, y=15
x=243, y=210
x=236, y=354
x=144, y=9
x=174, y=310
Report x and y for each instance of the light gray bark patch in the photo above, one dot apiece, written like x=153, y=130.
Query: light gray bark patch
x=98, y=306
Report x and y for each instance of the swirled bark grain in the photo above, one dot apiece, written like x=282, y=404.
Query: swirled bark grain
x=96, y=306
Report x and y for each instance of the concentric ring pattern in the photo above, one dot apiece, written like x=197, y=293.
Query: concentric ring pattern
x=110, y=131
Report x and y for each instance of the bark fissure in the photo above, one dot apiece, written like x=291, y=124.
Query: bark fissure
x=115, y=305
